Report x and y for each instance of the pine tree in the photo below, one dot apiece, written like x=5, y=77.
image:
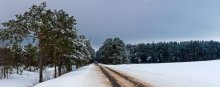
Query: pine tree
x=113, y=51
x=52, y=29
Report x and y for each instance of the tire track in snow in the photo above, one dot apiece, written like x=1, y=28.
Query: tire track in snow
x=118, y=79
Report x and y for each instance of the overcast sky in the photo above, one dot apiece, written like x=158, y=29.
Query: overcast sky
x=134, y=21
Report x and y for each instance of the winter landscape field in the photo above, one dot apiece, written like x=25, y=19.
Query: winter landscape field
x=109, y=43
x=188, y=74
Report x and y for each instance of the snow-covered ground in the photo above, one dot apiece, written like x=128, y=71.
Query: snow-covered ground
x=68, y=80
x=27, y=79
x=87, y=76
x=189, y=74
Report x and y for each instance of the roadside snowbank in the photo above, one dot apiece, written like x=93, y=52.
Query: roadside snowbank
x=72, y=79
x=189, y=74
x=87, y=76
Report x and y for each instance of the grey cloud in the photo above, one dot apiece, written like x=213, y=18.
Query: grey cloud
x=134, y=21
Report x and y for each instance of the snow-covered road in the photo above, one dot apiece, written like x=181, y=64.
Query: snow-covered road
x=119, y=79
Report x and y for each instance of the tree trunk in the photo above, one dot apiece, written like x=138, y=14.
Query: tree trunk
x=55, y=72
x=59, y=67
x=41, y=65
x=77, y=65
x=17, y=69
x=55, y=63
x=30, y=68
x=41, y=70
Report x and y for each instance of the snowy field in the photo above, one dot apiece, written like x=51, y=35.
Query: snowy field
x=27, y=79
x=189, y=74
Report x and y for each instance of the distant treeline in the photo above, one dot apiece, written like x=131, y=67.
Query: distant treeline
x=163, y=52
